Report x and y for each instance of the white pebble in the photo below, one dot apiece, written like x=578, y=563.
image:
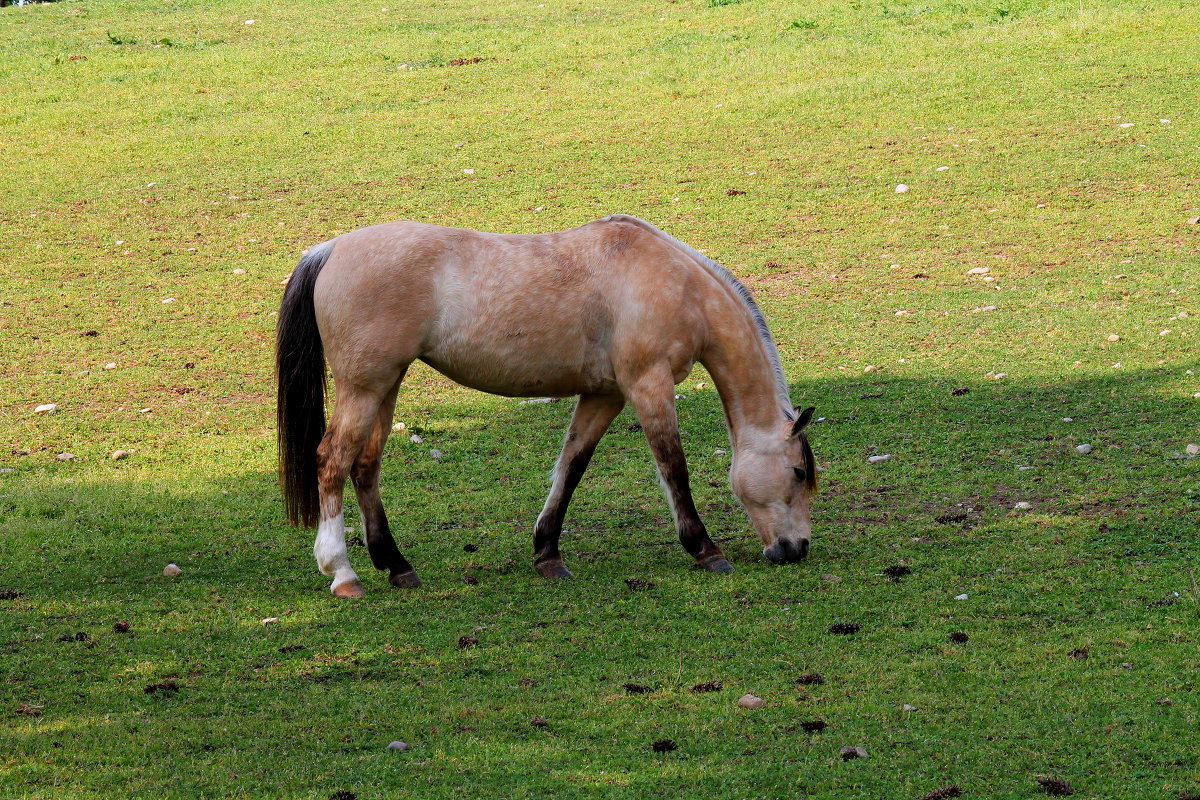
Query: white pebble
x=979, y=270
x=941, y=169
x=1068, y=419
x=7, y=471
x=718, y=452
x=171, y=570
x=468, y=171
x=901, y=188
x=750, y=701
x=1023, y=506
x=46, y=408
x=904, y=313
x=1193, y=449
x=169, y=300
x=397, y=746
x=907, y=707
x=1165, y=121
x=870, y=368
x=239, y=271
x=65, y=456
x=1117, y=365
x=399, y=426
x=986, y=308
x=436, y=455
x=249, y=22
x=1125, y=125
x=119, y=454
x=1164, y=332
x=1112, y=337
x=270, y=620
x=416, y=439
x=878, y=459
x=960, y=597
x=111, y=365
x=700, y=386
x=1083, y=449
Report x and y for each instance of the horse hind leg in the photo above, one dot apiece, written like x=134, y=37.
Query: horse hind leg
x=365, y=478
x=349, y=431
x=593, y=415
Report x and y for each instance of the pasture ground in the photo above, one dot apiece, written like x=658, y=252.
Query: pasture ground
x=152, y=148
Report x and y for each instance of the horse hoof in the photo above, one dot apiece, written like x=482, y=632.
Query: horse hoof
x=553, y=569
x=405, y=580
x=350, y=590
x=715, y=564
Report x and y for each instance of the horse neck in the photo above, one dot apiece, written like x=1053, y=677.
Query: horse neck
x=745, y=378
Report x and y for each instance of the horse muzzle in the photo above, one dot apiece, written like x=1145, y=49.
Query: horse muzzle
x=786, y=552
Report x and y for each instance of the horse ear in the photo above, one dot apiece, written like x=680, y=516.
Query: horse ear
x=802, y=419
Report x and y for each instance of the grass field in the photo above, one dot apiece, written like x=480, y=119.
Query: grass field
x=151, y=149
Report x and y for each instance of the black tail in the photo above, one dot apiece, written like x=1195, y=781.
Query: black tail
x=300, y=369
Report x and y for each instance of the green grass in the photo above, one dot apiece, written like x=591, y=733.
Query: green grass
x=151, y=148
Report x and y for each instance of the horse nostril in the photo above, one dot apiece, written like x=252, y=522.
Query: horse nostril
x=804, y=548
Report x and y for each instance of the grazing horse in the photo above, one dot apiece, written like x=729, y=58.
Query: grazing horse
x=613, y=311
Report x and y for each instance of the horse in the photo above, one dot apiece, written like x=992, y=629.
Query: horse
x=615, y=311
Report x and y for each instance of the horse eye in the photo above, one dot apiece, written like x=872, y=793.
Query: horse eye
x=801, y=475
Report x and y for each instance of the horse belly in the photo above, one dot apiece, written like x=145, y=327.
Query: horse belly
x=525, y=364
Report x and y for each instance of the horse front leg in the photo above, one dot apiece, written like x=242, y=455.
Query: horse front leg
x=593, y=414
x=653, y=397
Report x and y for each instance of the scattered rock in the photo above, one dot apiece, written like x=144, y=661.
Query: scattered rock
x=810, y=679
x=640, y=584
x=979, y=271
x=878, y=459
x=637, y=688
x=1126, y=665
x=850, y=752
x=163, y=686
x=65, y=456
x=1083, y=449
x=958, y=637
x=270, y=620
x=944, y=793
x=467, y=641
x=828, y=578
x=844, y=628
x=1055, y=787
x=901, y=188
x=239, y=271
x=664, y=746
x=961, y=596
x=1193, y=449
x=436, y=455
x=121, y=627
x=539, y=722
x=119, y=454
x=813, y=726
x=750, y=701
x=171, y=570
x=397, y=746
x=708, y=686
x=1023, y=506
x=46, y=408
x=415, y=439
x=907, y=707
x=399, y=426
x=111, y=365
x=896, y=572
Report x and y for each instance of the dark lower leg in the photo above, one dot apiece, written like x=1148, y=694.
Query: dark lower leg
x=591, y=419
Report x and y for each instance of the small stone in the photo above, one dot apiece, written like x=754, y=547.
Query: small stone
x=46, y=408
x=961, y=596
x=539, y=722
x=1068, y=419
x=169, y=300
x=119, y=454
x=399, y=426
x=1023, y=506
x=870, y=368
x=239, y=271
x=415, y=439
x=111, y=365
x=719, y=452
x=1125, y=125
x=270, y=620
x=171, y=570
x=1193, y=449
x=907, y=707
x=979, y=271
x=829, y=578
x=65, y=456
x=940, y=169
x=436, y=455
x=7, y=471
x=901, y=188
x=397, y=746
x=1126, y=665
x=1193, y=221
x=849, y=753
x=878, y=459
x=1164, y=332
x=468, y=171
x=1083, y=449
x=750, y=701
x=121, y=627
